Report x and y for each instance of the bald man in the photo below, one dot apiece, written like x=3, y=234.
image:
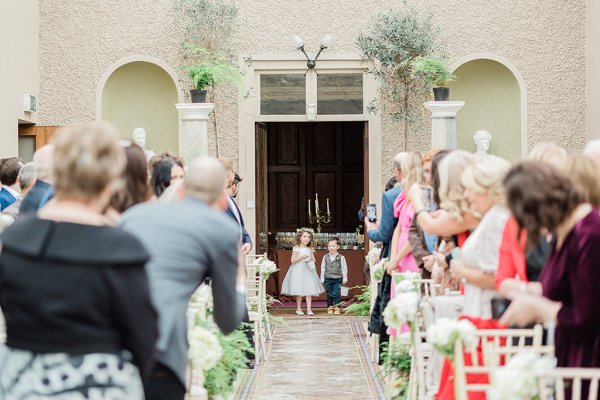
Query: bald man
x=188, y=241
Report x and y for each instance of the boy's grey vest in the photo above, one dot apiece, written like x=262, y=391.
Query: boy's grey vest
x=333, y=269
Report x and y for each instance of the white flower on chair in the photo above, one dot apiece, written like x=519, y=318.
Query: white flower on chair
x=379, y=270
x=401, y=310
x=205, y=350
x=517, y=379
x=445, y=332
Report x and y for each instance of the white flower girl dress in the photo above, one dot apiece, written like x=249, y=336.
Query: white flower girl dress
x=302, y=279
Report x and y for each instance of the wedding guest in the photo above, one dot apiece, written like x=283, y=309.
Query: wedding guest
x=540, y=197
x=189, y=240
x=235, y=213
x=134, y=188
x=548, y=153
x=74, y=291
x=165, y=172
x=26, y=181
x=43, y=190
x=477, y=262
x=382, y=231
x=585, y=174
x=9, y=176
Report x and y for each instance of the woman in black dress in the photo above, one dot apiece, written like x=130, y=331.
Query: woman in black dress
x=73, y=290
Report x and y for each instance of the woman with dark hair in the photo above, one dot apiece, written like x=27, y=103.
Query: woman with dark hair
x=541, y=198
x=135, y=187
x=164, y=173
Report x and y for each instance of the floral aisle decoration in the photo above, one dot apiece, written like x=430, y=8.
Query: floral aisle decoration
x=445, y=332
x=205, y=350
x=517, y=379
x=265, y=267
x=402, y=310
x=379, y=269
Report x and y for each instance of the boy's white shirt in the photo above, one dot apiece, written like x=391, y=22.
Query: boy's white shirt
x=343, y=262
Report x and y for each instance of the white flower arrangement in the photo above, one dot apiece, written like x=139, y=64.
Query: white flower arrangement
x=265, y=266
x=401, y=310
x=373, y=255
x=445, y=332
x=379, y=270
x=205, y=350
x=517, y=379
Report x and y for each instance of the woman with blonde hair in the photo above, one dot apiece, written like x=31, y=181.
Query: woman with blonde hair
x=454, y=216
x=75, y=296
x=477, y=261
x=549, y=153
x=585, y=174
x=401, y=257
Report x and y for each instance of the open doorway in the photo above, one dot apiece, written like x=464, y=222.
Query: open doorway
x=296, y=161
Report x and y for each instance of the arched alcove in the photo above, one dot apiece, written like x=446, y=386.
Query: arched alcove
x=493, y=97
x=142, y=94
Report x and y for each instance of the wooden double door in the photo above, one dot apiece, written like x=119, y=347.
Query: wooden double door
x=296, y=160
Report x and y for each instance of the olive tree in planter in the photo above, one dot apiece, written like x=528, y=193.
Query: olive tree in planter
x=435, y=74
x=395, y=39
x=211, y=70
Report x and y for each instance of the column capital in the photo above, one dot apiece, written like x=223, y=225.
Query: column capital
x=444, y=109
x=194, y=111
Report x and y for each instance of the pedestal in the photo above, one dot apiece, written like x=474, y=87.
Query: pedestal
x=443, y=122
x=193, y=129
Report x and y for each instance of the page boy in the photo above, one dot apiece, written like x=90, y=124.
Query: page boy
x=334, y=271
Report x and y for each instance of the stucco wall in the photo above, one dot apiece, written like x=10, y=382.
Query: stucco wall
x=593, y=68
x=19, y=68
x=544, y=40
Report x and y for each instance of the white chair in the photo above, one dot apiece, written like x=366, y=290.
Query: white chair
x=254, y=300
x=560, y=382
x=485, y=356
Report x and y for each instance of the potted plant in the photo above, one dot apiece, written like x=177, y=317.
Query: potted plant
x=434, y=73
x=211, y=70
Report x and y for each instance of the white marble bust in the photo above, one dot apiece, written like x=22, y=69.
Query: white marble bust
x=482, y=140
x=139, y=138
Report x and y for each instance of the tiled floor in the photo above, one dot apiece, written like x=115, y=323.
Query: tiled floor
x=313, y=358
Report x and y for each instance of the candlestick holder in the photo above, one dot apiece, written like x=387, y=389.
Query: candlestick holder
x=318, y=218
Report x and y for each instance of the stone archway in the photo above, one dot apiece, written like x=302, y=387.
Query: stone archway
x=139, y=92
x=496, y=100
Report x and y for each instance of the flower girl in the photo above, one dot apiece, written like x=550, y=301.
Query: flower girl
x=302, y=279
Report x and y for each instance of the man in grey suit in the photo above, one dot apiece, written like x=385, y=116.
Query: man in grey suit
x=188, y=240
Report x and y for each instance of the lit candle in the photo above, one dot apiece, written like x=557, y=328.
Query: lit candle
x=328, y=206
x=316, y=202
x=308, y=206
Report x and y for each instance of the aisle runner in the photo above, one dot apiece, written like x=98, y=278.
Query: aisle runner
x=316, y=358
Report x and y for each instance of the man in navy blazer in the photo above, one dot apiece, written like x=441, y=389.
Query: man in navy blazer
x=9, y=176
x=234, y=212
x=383, y=232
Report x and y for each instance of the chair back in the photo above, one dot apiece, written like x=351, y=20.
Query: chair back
x=481, y=356
x=573, y=383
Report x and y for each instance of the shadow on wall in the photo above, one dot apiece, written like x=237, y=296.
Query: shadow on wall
x=492, y=102
x=142, y=94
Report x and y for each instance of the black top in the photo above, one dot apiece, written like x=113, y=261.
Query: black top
x=77, y=289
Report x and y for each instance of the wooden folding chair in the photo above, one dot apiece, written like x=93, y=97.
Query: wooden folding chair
x=559, y=383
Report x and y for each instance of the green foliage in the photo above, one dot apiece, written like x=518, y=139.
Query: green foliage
x=397, y=359
x=218, y=380
x=432, y=71
x=207, y=23
x=362, y=305
x=395, y=39
x=211, y=70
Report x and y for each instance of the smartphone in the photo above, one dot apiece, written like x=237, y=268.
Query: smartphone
x=427, y=199
x=499, y=306
x=371, y=212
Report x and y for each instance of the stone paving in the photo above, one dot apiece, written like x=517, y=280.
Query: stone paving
x=313, y=358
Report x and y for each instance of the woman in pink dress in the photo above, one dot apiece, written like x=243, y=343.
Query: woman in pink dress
x=401, y=258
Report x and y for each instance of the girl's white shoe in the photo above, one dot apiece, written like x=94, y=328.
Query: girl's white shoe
x=299, y=312
x=309, y=312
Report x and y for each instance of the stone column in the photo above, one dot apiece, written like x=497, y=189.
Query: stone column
x=193, y=129
x=443, y=122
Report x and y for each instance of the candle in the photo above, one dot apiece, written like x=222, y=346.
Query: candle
x=316, y=202
x=308, y=206
x=328, y=206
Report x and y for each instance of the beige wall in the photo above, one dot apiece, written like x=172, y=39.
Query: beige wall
x=141, y=94
x=492, y=102
x=19, y=68
x=592, y=43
